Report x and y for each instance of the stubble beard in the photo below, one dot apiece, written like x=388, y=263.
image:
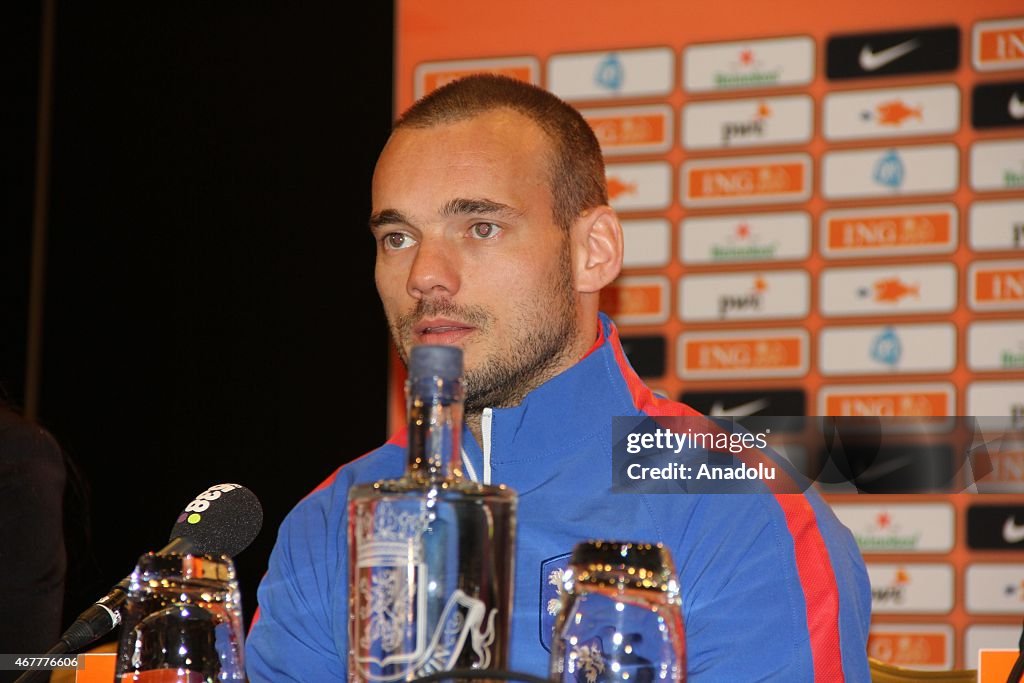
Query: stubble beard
x=549, y=326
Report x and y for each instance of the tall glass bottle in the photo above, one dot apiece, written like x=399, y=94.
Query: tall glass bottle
x=431, y=553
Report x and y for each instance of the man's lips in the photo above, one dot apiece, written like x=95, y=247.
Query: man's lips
x=441, y=331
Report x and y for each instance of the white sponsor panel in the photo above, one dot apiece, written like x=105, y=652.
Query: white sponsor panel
x=994, y=589
x=996, y=399
x=430, y=76
x=891, y=172
x=887, y=349
x=912, y=229
x=997, y=165
x=639, y=187
x=889, y=290
x=612, y=74
x=995, y=346
x=925, y=647
x=725, y=181
x=647, y=243
x=784, y=236
x=988, y=637
x=998, y=45
x=996, y=285
x=996, y=225
x=756, y=122
x=773, y=295
x=746, y=65
x=921, y=399
x=631, y=130
x=892, y=112
x=925, y=588
x=776, y=352
x=899, y=527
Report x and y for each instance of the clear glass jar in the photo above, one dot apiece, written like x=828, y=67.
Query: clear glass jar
x=621, y=616
x=182, y=622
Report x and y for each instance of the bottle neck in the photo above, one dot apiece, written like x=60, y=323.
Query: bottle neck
x=434, y=408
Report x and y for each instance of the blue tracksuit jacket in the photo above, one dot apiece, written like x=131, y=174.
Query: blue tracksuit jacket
x=773, y=586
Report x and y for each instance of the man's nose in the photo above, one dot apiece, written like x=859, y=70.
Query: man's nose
x=435, y=270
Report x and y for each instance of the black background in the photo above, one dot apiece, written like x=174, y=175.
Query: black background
x=210, y=313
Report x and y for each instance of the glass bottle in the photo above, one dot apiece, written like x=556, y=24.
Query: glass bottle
x=431, y=553
x=621, y=617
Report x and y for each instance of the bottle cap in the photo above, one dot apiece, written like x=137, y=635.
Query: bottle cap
x=435, y=361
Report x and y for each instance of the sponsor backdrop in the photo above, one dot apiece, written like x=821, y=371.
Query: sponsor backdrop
x=824, y=214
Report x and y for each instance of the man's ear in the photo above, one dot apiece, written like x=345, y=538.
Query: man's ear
x=597, y=237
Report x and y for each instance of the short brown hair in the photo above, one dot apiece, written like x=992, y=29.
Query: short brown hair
x=576, y=167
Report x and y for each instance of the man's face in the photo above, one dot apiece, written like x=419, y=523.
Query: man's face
x=468, y=253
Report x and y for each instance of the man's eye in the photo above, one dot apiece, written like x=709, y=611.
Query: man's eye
x=484, y=231
x=397, y=240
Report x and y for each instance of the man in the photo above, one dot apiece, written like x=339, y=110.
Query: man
x=494, y=234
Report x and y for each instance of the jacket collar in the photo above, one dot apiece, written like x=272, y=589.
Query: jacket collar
x=567, y=409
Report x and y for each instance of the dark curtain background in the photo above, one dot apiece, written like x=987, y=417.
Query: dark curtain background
x=210, y=314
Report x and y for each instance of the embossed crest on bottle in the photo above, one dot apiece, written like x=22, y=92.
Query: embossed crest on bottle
x=430, y=553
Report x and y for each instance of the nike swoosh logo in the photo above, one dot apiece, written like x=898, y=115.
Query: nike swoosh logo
x=872, y=61
x=1016, y=107
x=1013, y=532
x=718, y=409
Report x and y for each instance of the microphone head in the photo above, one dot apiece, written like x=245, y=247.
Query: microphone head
x=222, y=520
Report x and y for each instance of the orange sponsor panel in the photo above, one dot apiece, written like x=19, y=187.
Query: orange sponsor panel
x=628, y=130
x=747, y=180
x=911, y=648
x=433, y=81
x=999, y=284
x=1001, y=44
x=994, y=666
x=895, y=230
x=633, y=299
x=97, y=667
x=765, y=353
x=894, y=404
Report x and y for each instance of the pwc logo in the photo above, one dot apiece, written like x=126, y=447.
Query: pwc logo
x=631, y=130
x=996, y=285
x=892, y=591
x=637, y=300
x=430, y=76
x=907, y=588
x=890, y=231
x=886, y=400
x=748, y=123
x=927, y=647
x=998, y=45
x=746, y=180
x=775, y=295
x=747, y=353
